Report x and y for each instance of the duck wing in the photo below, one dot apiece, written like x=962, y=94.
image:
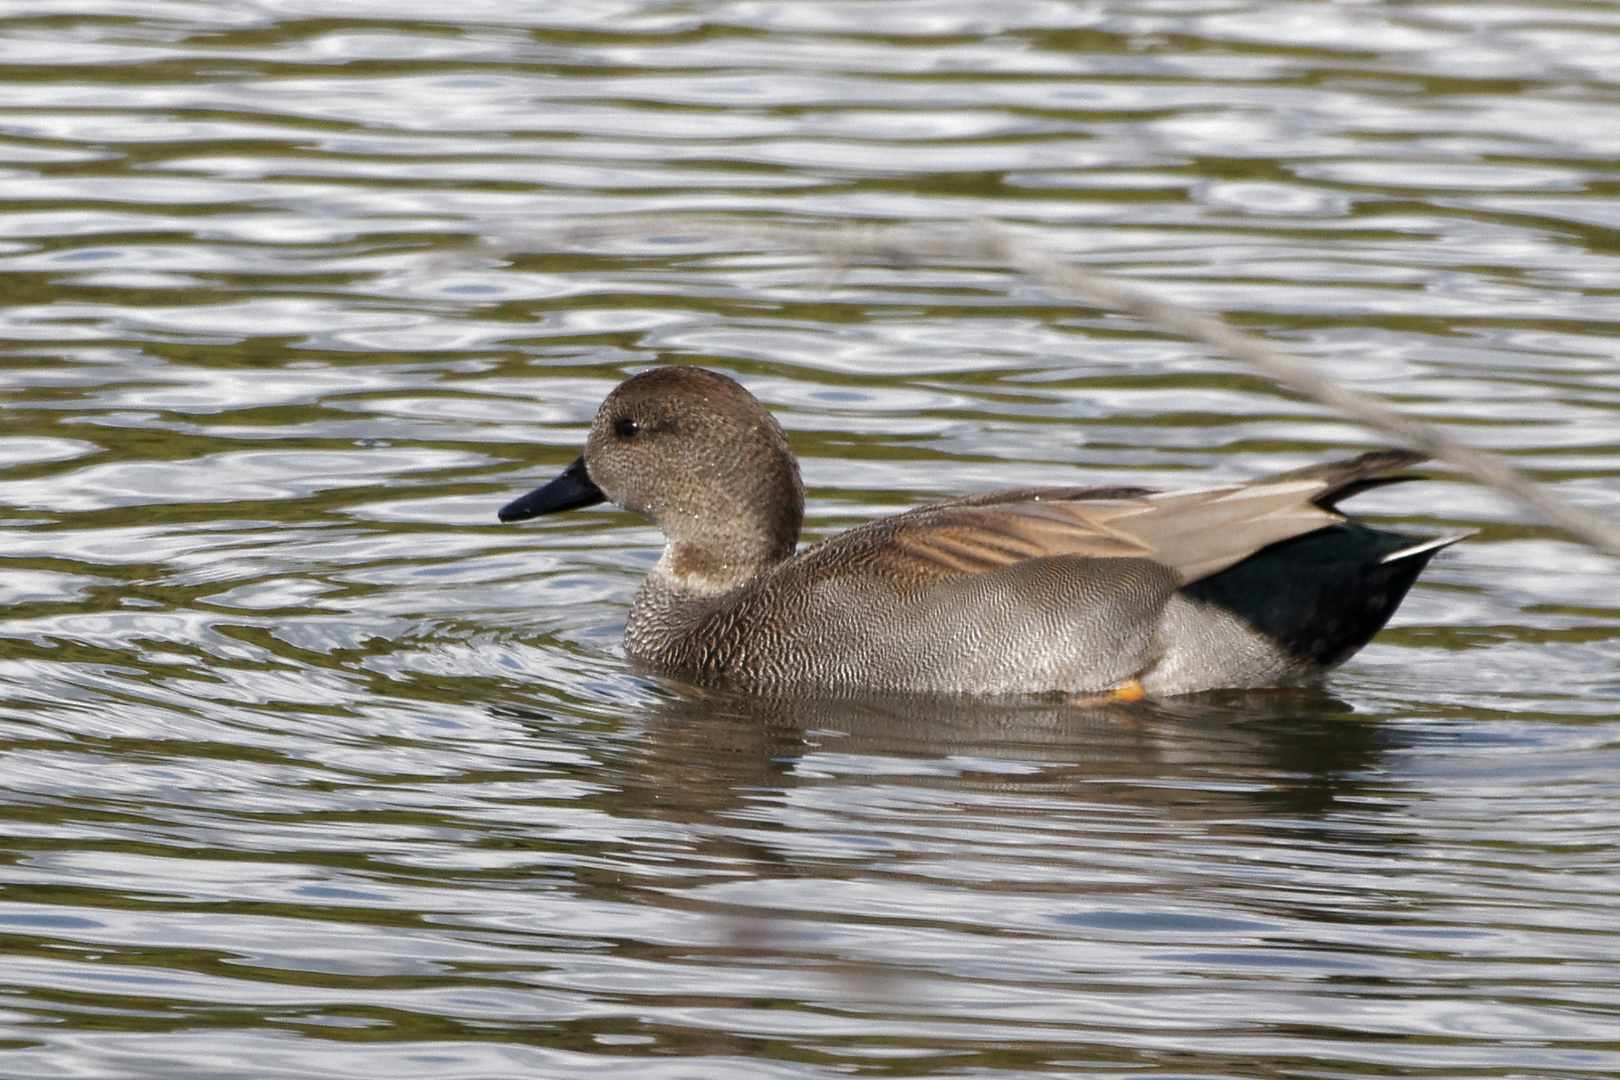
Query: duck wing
x=1195, y=532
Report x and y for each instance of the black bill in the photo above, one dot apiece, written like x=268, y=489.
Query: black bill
x=573, y=489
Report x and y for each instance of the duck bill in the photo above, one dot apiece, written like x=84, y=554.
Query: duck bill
x=573, y=489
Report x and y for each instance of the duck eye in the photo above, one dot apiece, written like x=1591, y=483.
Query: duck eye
x=626, y=428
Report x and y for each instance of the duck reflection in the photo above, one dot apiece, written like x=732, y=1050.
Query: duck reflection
x=1288, y=752
x=1124, y=805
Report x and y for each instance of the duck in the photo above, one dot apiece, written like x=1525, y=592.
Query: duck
x=1116, y=591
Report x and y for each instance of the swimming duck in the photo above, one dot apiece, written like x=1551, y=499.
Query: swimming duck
x=1127, y=591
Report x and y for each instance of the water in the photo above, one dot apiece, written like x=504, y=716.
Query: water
x=311, y=769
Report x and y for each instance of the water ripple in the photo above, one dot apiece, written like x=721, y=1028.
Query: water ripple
x=310, y=768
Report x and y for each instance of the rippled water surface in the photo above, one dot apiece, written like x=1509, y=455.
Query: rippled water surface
x=311, y=769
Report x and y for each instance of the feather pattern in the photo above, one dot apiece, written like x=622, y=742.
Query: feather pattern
x=1070, y=589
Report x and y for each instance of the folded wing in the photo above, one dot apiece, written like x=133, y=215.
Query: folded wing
x=1196, y=532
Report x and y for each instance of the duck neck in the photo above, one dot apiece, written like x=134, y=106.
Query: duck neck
x=699, y=569
x=715, y=554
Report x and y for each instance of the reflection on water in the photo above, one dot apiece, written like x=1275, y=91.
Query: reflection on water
x=1290, y=751
x=309, y=768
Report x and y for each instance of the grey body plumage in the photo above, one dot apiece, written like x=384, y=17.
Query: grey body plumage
x=1080, y=590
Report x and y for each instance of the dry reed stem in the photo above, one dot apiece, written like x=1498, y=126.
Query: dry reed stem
x=986, y=244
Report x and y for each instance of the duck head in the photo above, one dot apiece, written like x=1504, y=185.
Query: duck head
x=701, y=458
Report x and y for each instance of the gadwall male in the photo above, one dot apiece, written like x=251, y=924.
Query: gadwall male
x=1103, y=590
